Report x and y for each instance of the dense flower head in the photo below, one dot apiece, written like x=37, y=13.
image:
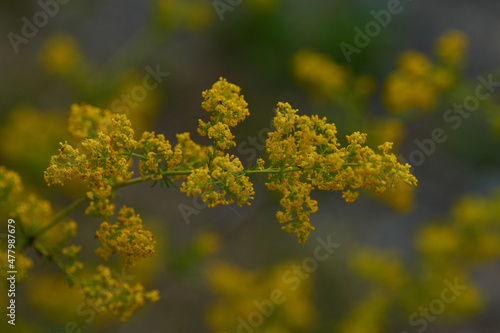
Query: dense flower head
x=108, y=294
x=85, y=121
x=451, y=48
x=103, y=159
x=191, y=155
x=306, y=151
x=417, y=83
x=159, y=154
x=223, y=183
x=126, y=237
x=227, y=108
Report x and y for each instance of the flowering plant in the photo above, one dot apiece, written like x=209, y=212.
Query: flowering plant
x=303, y=154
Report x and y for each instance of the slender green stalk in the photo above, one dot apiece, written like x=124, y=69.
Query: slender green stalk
x=61, y=215
x=47, y=252
x=75, y=204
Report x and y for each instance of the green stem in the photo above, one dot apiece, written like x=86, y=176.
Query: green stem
x=138, y=155
x=61, y=215
x=278, y=170
x=65, y=212
x=47, y=252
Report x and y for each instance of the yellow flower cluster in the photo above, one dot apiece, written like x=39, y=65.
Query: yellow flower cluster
x=303, y=155
x=227, y=108
x=73, y=264
x=157, y=156
x=24, y=146
x=22, y=264
x=306, y=152
x=448, y=250
x=108, y=294
x=291, y=311
x=127, y=237
x=383, y=269
x=32, y=214
x=451, y=48
x=60, y=54
x=417, y=82
x=103, y=160
x=222, y=179
x=472, y=236
x=397, y=291
x=402, y=199
x=223, y=182
x=319, y=73
x=10, y=184
x=388, y=130
x=324, y=78
x=85, y=121
x=193, y=155
x=157, y=150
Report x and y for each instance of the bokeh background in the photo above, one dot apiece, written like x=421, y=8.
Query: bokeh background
x=211, y=265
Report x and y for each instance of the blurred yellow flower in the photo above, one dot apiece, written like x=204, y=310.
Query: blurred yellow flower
x=24, y=145
x=383, y=268
x=108, y=294
x=369, y=316
x=126, y=237
x=418, y=83
x=451, y=48
x=318, y=73
x=60, y=54
x=273, y=300
x=402, y=199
